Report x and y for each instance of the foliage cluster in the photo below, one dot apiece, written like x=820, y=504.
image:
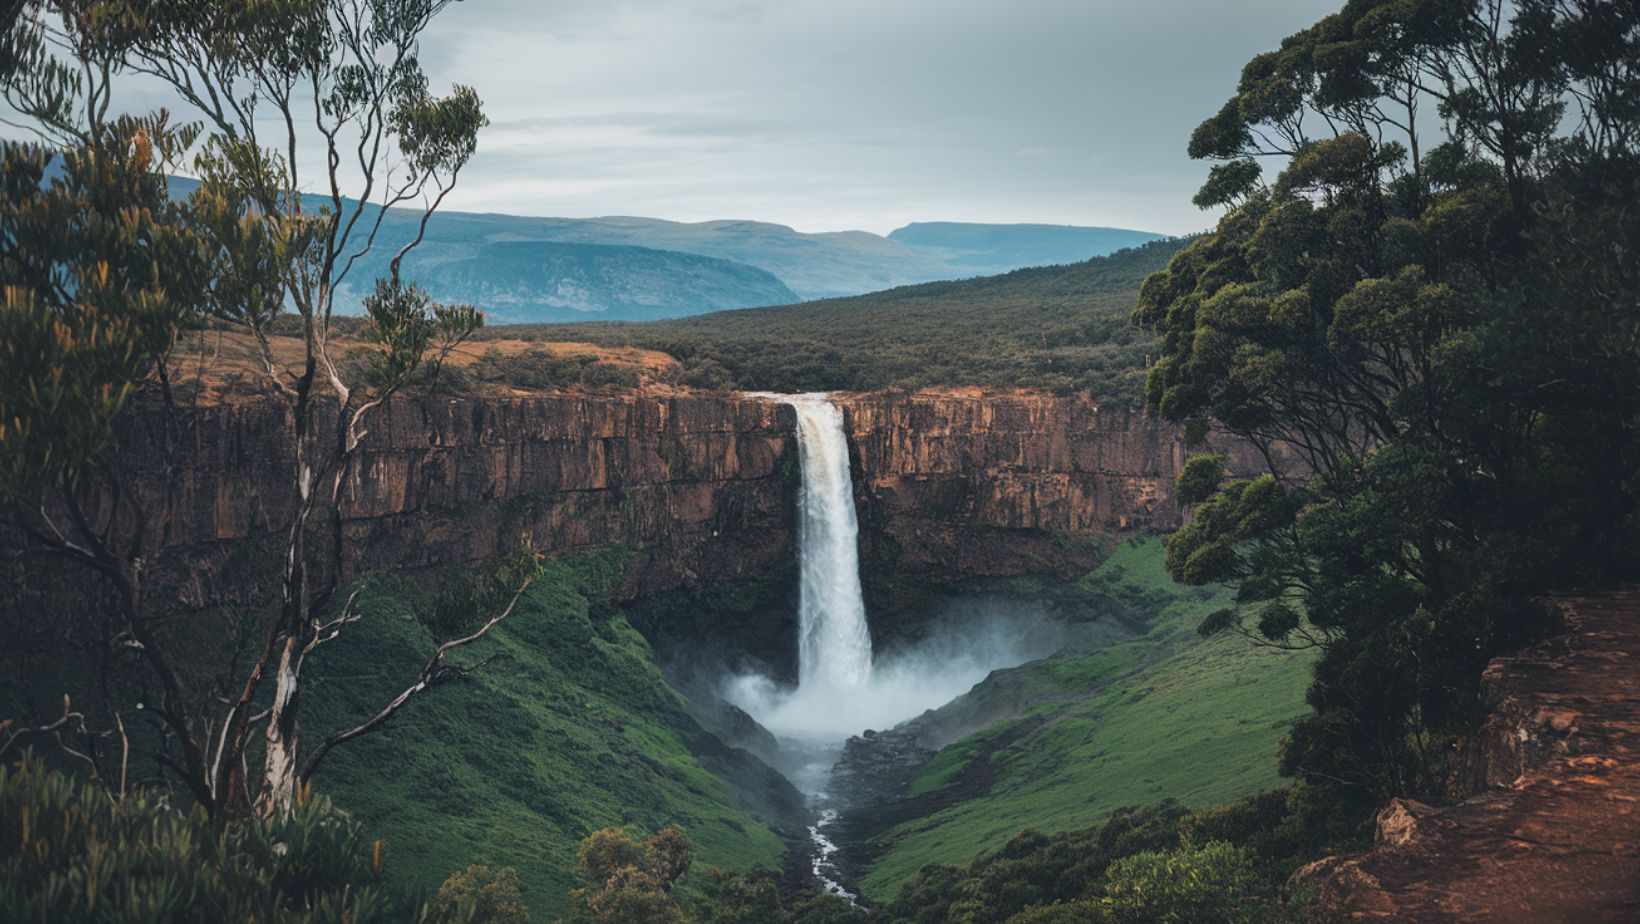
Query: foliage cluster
x=544, y=369
x=1434, y=339
x=493, y=895
x=69, y=853
x=1146, y=865
x=1058, y=328
x=631, y=882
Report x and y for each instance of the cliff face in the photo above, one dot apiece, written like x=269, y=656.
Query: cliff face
x=700, y=487
x=992, y=485
x=696, y=486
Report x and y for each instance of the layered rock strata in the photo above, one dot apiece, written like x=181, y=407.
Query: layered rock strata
x=698, y=487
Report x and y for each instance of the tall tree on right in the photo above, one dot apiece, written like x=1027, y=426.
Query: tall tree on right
x=1429, y=322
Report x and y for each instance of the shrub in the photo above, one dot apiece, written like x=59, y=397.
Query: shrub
x=1216, y=622
x=1211, y=884
x=69, y=853
x=493, y=896
x=706, y=374
x=609, y=375
x=629, y=882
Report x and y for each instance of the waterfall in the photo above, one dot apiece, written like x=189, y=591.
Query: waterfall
x=833, y=643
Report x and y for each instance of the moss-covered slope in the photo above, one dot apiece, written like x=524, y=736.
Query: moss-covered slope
x=571, y=729
x=1166, y=714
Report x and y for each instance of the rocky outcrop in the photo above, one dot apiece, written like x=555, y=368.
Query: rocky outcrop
x=1556, y=837
x=698, y=487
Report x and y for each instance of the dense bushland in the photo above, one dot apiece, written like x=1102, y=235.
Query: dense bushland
x=1061, y=328
x=1429, y=320
x=70, y=853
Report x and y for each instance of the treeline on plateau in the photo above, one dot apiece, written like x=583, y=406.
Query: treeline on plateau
x=1058, y=328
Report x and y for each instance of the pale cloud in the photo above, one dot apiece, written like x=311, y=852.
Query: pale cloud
x=833, y=114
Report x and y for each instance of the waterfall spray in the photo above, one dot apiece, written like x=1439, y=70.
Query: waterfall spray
x=841, y=689
x=834, y=644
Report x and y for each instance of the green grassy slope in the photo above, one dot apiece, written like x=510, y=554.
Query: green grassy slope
x=572, y=729
x=1057, y=327
x=1167, y=714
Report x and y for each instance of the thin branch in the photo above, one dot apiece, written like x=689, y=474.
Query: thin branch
x=432, y=674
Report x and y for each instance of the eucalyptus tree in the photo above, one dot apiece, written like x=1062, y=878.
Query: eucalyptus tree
x=283, y=96
x=1427, y=320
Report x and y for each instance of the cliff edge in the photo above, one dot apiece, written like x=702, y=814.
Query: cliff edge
x=1556, y=835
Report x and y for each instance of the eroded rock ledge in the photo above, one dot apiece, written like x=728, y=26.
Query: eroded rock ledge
x=1556, y=837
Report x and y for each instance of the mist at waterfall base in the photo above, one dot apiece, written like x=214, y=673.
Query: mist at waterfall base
x=842, y=688
x=969, y=641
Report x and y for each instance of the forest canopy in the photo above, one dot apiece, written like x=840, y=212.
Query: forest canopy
x=1058, y=328
x=1428, y=314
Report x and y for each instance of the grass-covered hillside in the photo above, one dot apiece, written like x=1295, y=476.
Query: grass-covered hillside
x=571, y=729
x=1167, y=714
x=1063, y=328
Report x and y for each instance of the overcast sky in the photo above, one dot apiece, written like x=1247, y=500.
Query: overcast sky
x=836, y=114
x=833, y=114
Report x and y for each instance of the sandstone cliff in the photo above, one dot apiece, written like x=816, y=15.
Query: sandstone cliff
x=696, y=486
x=981, y=484
x=700, y=487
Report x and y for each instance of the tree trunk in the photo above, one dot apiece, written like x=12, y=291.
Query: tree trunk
x=279, y=763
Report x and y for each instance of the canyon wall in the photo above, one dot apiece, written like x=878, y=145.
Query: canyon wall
x=700, y=488
x=697, y=487
x=1000, y=484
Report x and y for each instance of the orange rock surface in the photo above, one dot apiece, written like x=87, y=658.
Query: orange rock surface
x=1555, y=836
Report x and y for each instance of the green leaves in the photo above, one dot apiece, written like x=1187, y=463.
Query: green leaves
x=1209, y=548
x=98, y=270
x=630, y=881
x=1402, y=326
x=72, y=854
x=1213, y=882
x=411, y=328
x=438, y=134
x=1229, y=183
x=1199, y=478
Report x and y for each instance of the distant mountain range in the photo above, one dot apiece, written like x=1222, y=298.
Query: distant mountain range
x=990, y=249
x=522, y=269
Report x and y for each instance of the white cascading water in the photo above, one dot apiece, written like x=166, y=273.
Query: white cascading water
x=839, y=692
x=833, y=642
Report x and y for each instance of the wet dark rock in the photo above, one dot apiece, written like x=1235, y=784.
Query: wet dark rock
x=875, y=768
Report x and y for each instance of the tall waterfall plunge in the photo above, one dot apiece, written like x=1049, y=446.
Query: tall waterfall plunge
x=842, y=688
x=840, y=691
x=833, y=641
